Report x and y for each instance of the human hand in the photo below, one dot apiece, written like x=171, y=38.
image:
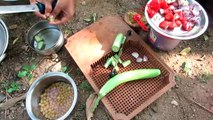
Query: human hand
x=63, y=11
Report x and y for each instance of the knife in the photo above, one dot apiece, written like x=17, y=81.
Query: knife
x=25, y=8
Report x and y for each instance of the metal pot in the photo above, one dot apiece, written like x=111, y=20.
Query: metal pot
x=37, y=88
x=4, y=40
x=51, y=34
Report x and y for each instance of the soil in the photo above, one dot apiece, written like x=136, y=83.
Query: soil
x=190, y=99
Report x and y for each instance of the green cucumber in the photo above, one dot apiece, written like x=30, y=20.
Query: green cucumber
x=117, y=42
x=124, y=77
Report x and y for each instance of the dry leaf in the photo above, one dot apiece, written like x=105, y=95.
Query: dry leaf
x=13, y=26
x=89, y=104
x=185, y=51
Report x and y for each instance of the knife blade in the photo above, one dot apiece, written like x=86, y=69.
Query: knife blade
x=22, y=8
x=40, y=7
x=18, y=9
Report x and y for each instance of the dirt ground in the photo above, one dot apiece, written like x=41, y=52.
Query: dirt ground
x=190, y=99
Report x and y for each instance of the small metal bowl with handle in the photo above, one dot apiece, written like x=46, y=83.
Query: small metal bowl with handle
x=38, y=87
x=51, y=36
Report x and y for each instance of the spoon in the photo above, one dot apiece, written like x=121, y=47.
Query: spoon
x=137, y=18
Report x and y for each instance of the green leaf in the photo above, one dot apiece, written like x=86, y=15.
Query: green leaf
x=94, y=16
x=87, y=20
x=22, y=74
x=185, y=51
x=25, y=67
x=10, y=90
x=205, y=37
x=187, y=66
x=32, y=67
x=13, y=85
x=29, y=68
x=63, y=69
x=85, y=85
x=29, y=76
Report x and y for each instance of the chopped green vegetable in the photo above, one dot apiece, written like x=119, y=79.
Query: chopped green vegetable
x=51, y=19
x=117, y=57
x=38, y=38
x=117, y=42
x=41, y=45
x=124, y=77
x=124, y=39
x=108, y=62
x=126, y=63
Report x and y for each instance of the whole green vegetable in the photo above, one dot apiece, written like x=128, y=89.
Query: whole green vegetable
x=125, y=77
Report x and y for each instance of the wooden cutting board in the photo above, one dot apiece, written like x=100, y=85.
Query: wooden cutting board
x=93, y=42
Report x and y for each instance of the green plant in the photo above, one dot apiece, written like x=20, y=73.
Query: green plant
x=204, y=78
x=10, y=87
x=14, y=86
x=85, y=86
x=26, y=71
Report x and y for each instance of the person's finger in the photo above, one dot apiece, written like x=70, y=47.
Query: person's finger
x=56, y=11
x=48, y=7
x=40, y=15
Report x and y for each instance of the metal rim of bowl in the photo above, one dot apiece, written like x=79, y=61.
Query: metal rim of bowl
x=35, y=83
x=179, y=37
x=56, y=44
x=7, y=36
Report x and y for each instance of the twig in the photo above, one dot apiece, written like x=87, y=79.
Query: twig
x=198, y=104
x=9, y=103
x=5, y=111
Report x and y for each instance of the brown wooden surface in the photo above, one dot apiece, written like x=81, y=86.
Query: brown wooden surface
x=93, y=42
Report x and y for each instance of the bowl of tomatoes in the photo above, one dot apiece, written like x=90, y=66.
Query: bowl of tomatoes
x=174, y=20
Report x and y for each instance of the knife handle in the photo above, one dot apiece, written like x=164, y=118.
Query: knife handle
x=41, y=6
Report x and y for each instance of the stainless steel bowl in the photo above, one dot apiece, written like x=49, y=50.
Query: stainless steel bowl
x=51, y=34
x=198, y=29
x=37, y=88
x=4, y=39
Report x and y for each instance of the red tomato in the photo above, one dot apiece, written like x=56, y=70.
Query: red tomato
x=166, y=11
x=169, y=16
x=163, y=4
x=172, y=25
x=154, y=5
x=151, y=12
x=164, y=24
x=178, y=23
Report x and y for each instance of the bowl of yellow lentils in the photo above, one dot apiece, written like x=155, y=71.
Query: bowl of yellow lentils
x=52, y=96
